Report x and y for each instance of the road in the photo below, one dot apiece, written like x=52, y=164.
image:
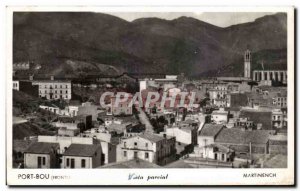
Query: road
x=145, y=120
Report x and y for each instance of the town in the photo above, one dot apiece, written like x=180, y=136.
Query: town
x=233, y=122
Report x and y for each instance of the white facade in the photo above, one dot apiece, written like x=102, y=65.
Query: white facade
x=158, y=152
x=16, y=85
x=54, y=89
x=185, y=136
x=220, y=116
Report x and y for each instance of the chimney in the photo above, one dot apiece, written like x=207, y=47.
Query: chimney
x=31, y=77
x=52, y=77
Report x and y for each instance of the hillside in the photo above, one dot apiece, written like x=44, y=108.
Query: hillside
x=274, y=57
x=91, y=40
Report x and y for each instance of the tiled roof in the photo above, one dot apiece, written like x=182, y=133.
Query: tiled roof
x=263, y=117
x=82, y=150
x=41, y=148
x=210, y=130
x=151, y=137
x=21, y=145
x=239, y=136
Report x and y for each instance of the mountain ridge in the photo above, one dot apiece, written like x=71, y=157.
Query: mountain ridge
x=172, y=46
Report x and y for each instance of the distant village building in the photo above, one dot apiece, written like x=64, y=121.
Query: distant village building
x=122, y=108
x=21, y=66
x=218, y=94
x=184, y=134
x=54, y=89
x=279, y=118
x=269, y=74
x=220, y=116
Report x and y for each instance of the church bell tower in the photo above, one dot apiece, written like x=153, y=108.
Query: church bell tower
x=247, y=64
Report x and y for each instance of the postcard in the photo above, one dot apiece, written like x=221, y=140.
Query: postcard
x=150, y=96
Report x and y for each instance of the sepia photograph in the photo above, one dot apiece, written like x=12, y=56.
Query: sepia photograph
x=129, y=90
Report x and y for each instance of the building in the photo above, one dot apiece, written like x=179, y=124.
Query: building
x=149, y=147
x=219, y=116
x=82, y=156
x=65, y=142
x=208, y=134
x=54, y=89
x=215, y=152
x=82, y=122
x=122, y=108
x=247, y=64
x=218, y=94
x=245, y=141
x=184, y=134
x=258, y=116
x=21, y=66
x=279, y=118
x=41, y=155
x=270, y=74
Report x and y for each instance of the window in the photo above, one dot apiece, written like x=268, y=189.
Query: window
x=83, y=163
x=68, y=162
x=66, y=91
x=39, y=165
x=61, y=91
x=66, y=86
x=60, y=86
x=135, y=154
x=44, y=160
x=135, y=143
x=72, y=163
x=125, y=153
x=146, y=155
x=124, y=144
x=146, y=144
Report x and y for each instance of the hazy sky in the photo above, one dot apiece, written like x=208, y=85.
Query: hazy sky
x=218, y=19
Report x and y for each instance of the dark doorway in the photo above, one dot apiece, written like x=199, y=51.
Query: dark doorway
x=72, y=163
x=39, y=162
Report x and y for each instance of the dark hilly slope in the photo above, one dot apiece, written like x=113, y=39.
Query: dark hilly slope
x=144, y=45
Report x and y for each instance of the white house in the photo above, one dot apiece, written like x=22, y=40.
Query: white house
x=149, y=147
x=220, y=116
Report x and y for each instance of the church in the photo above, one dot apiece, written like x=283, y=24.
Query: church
x=265, y=74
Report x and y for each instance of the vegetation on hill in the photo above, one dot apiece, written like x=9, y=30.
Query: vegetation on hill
x=144, y=45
